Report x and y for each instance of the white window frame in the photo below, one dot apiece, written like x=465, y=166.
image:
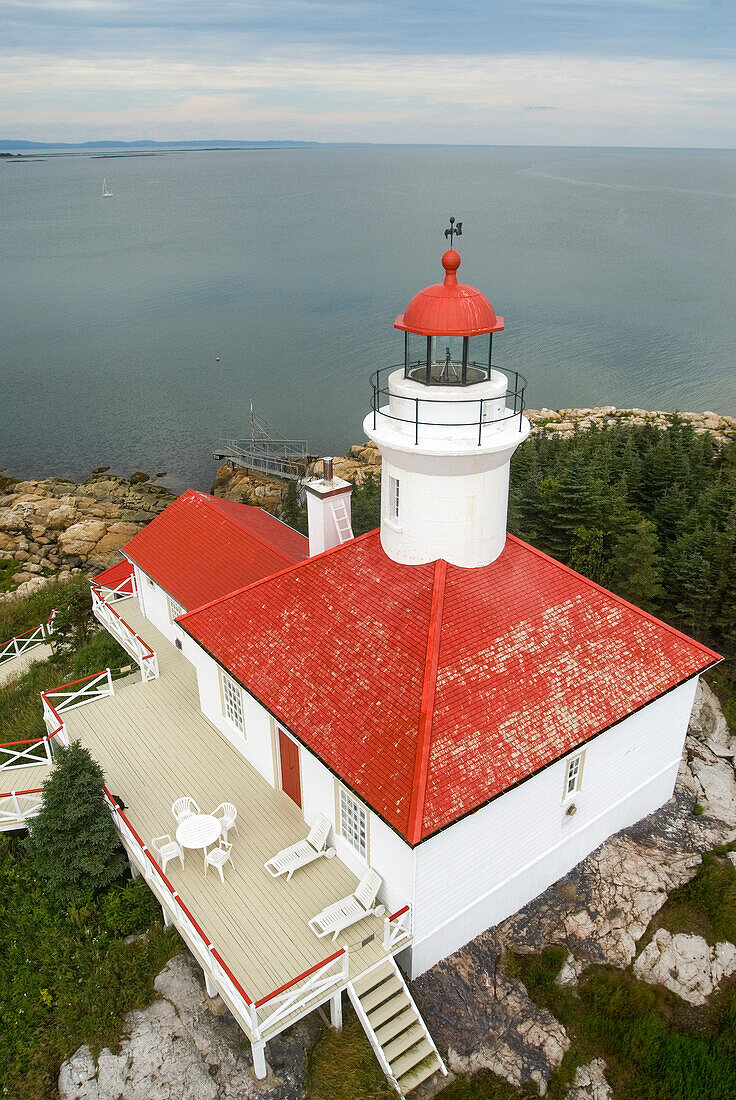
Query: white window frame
x=392, y=503
x=231, y=697
x=353, y=822
x=573, y=775
x=175, y=608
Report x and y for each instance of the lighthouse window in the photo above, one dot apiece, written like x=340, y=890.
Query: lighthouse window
x=574, y=774
x=175, y=609
x=393, y=497
x=354, y=823
x=232, y=702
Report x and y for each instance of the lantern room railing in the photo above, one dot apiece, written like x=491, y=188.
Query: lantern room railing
x=477, y=407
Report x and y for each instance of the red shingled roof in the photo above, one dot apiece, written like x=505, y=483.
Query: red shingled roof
x=430, y=689
x=202, y=547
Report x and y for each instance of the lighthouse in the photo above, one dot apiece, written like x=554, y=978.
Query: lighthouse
x=447, y=422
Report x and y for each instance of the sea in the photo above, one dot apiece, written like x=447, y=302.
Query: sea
x=137, y=331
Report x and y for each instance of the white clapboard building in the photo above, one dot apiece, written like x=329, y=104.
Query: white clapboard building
x=470, y=716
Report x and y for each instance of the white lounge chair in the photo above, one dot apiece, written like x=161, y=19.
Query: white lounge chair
x=218, y=857
x=314, y=845
x=226, y=813
x=341, y=914
x=167, y=849
x=184, y=807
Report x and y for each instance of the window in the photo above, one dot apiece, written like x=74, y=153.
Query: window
x=574, y=774
x=175, y=609
x=354, y=823
x=393, y=498
x=232, y=702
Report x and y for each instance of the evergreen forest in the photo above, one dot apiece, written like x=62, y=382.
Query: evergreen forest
x=650, y=514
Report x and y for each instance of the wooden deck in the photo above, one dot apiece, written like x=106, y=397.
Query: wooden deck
x=11, y=670
x=155, y=744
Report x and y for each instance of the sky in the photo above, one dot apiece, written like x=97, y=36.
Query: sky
x=509, y=72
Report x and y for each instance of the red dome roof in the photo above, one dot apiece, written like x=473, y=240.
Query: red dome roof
x=450, y=308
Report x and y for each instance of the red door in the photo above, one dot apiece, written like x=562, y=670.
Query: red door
x=291, y=782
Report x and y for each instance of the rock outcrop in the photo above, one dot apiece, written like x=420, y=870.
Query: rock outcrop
x=178, y=1050
x=486, y=1020
x=686, y=964
x=590, y=1082
x=57, y=527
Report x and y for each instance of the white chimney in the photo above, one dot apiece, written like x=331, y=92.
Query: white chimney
x=328, y=510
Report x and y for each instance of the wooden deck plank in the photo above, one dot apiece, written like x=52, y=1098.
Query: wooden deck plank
x=155, y=744
x=12, y=669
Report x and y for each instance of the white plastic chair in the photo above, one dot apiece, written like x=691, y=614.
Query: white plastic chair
x=167, y=849
x=218, y=857
x=184, y=807
x=289, y=860
x=341, y=914
x=227, y=813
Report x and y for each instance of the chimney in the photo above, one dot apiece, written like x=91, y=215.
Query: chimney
x=328, y=510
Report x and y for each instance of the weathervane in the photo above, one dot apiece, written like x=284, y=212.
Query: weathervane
x=454, y=230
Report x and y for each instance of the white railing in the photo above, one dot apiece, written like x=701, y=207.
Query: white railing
x=21, y=643
x=304, y=992
x=124, y=590
x=396, y=928
x=131, y=642
x=17, y=807
x=26, y=754
x=56, y=700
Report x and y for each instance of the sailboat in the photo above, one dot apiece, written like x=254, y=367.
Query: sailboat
x=106, y=192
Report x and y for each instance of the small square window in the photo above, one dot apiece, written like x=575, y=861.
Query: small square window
x=232, y=702
x=354, y=823
x=393, y=498
x=574, y=774
x=175, y=609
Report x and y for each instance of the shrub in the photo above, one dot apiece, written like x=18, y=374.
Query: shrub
x=73, y=846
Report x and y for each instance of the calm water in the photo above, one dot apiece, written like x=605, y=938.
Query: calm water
x=614, y=270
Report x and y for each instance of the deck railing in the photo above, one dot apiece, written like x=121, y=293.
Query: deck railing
x=17, y=807
x=22, y=643
x=56, y=700
x=131, y=642
x=396, y=928
x=123, y=591
x=305, y=990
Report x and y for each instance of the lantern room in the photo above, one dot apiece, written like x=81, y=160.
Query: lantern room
x=448, y=331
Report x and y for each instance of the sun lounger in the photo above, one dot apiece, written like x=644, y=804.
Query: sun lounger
x=303, y=852
x=341, y=914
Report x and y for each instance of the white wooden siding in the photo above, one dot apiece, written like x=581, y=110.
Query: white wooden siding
x=487, y=866
x=154, y=604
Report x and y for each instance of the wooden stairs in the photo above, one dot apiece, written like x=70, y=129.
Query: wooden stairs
x=397, y=1032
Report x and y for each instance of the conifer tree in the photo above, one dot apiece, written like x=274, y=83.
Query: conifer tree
x=291, y=513
x=73, y=846
x=635, y=566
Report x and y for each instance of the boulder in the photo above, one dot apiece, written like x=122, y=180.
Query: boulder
x=81, y=537
x=685, y=964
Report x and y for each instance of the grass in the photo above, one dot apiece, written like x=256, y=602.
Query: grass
x=21, y=716
x=17, y=616
x=342, y=1066
x=705, y=906
x=68, y=977
x=8, y=569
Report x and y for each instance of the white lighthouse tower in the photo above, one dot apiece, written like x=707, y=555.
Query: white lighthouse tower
x=446, y=423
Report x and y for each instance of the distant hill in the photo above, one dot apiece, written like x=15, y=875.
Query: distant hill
x=9, y=144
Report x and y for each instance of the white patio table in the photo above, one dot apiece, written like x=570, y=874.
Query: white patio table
x=198, y=831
